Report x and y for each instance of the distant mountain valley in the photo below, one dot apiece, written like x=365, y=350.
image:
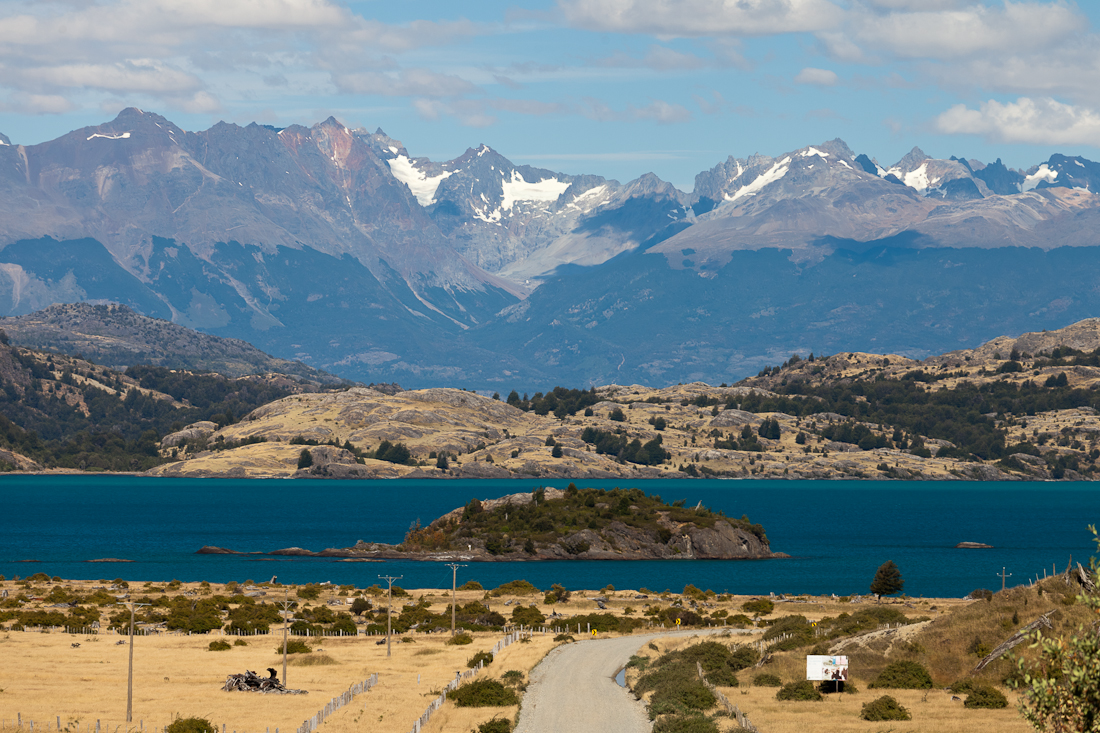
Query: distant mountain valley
x=340, y=249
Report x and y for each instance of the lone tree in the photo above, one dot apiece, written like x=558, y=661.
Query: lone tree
x=887, y=580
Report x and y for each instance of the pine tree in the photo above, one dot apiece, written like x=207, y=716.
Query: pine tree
x=305, y=458
x=887, y=580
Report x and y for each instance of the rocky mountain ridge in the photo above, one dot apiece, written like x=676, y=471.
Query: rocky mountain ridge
x=342, y=249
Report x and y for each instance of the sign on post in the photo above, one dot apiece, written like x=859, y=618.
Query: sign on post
x=821, y=668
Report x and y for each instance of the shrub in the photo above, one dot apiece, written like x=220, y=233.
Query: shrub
x=767, y=680
x=512, y=677
x=294, y=646
x=514, y=588
x=219, y=646
x=191, y=725
x=460, y=639
x=884, y=708
x=482, y=657
x=802, y=690
x=903, y=675
x=527, y=615
x=984, y=696
x=564, y=637
x=471, y=585
x=240, y=642
x=759, y=606
x=685, y=724
x=483, y=694
x=309, y=592
x=305, y=458
x=496, y=725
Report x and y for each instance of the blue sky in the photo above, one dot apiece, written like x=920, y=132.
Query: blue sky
x=611, y=87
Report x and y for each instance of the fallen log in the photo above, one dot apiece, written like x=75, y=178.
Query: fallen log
x=1014, y=640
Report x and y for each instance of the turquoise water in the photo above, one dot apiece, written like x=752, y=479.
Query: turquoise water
x=838, y=532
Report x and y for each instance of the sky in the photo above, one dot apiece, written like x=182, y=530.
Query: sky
x=615, y=88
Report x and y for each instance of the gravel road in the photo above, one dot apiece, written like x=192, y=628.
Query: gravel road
x=573, y=689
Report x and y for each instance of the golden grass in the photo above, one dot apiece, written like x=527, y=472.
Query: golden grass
x=932, y=711
x=44, y=677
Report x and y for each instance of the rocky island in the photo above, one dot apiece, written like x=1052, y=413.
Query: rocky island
x=570, y=524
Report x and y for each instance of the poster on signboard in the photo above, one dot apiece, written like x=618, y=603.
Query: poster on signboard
x=821, y=668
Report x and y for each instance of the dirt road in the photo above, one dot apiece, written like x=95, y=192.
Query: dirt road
x=573, y=689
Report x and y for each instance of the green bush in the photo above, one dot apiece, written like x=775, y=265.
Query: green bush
x=221, y=645
x=496, y=725
x=512, y=677
x=309, y=592
x=564, y=637
x=483, y=694
x=460, y=639
x=802, y=690
x=191, y=725
x=903, y=675
x=484, y=657
x=884, y=708
x=685, y=724
x=514, y=588
x=984, y=696
x=527, y=615
x=759, y=606
x=767, y=680
x=471, y=585
x=294, y=646
x=240, y=642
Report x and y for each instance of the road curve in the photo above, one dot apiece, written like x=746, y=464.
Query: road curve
x=573, y=690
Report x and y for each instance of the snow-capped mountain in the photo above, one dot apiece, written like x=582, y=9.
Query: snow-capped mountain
x=521, y=222
x=342, y=248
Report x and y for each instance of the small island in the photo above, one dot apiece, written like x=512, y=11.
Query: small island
x=569, y=524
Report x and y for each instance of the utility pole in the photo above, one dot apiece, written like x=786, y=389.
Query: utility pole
x=130, y=671
x=454, y=591
x=1003, y=576
x=389, y=608
x=286, y=612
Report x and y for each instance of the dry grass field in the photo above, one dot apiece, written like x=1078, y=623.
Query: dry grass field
x=45, y=677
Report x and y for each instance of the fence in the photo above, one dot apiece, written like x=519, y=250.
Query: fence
x=336, y=703
x=740, y=717
x=459, y=678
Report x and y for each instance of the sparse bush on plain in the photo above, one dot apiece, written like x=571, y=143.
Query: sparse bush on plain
x=685, y=724
x=903, y=675
x=884, y=708
x=564, y=637
x=485, y=658
x=483, y=693
x=801, y=690
x=191, y=725
x=294, y=646
x=767, y=680
x=984, y=696
x=219, y=646
x=759, y=606
x=460, y=639
x=240, y=642
x=514, y=588
x=496, y=725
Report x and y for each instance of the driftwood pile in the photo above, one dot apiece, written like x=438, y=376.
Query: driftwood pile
x=252, y=682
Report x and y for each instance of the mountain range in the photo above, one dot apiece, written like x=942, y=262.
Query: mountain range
x=340, y=249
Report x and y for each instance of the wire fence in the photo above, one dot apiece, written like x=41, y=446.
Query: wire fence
x=437, y=703
x=740, y=717
x=336, y=703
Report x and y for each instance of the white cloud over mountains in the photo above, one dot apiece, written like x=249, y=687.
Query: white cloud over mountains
x=1026, y=120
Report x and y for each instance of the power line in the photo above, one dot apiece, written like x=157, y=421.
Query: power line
x=389, y=608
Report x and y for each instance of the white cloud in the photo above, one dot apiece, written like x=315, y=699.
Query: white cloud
x=957, y=33
x=664, y=18
x=661, y=112
x=37, y=104
x=818, y=77
x=404, y=83
x=1035, y=121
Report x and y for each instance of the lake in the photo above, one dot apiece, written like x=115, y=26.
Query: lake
x=837, y=532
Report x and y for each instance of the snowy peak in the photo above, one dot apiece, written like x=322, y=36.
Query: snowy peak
x=806, y=170
x=1063, y=171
